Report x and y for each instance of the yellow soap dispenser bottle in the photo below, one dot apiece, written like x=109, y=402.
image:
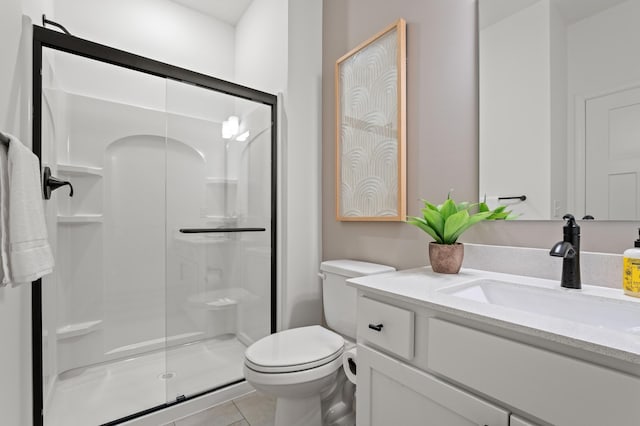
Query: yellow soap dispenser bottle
x=631, y=269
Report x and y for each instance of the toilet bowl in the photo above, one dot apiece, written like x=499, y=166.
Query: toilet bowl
x=302, y=367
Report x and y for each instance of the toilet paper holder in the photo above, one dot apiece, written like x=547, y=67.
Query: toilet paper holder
x=352, y=366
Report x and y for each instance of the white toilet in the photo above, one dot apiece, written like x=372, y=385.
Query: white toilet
x=302, y=367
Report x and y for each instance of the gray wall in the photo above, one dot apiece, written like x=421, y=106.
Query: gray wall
x=442, y=133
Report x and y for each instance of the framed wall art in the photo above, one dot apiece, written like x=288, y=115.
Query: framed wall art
x=370, y=84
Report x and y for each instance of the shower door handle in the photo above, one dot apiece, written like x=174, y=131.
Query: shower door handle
x=51, y=183
x=211, y=230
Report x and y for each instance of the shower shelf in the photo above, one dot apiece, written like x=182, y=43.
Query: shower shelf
x=220, y=218
x=80, y=218
x=223, y=302
x=72, y=169
x=220, y=299
x=77, y=329
x=217, y=180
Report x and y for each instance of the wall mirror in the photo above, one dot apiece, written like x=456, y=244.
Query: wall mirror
x=560, y=107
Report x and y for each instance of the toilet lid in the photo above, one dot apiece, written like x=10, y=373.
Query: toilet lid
x=296, y=349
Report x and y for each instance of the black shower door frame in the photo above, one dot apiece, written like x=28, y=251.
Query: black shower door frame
x=46, y=38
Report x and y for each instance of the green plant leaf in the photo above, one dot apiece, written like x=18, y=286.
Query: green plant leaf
x=454, y=223
x=447, y=221
x=447, y=209
x=434, y=220
x=430, y=206
x=422, y=224
x=498, y=216
x=478, y=217
x=498, y=213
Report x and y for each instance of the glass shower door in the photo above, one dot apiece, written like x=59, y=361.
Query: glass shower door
x=218, y=235
x=103, y=308
x=164, y=255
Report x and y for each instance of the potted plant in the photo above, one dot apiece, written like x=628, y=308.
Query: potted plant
x=445, y=223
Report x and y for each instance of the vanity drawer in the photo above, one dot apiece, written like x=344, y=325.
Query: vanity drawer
x=386, y=326
x=555, y=388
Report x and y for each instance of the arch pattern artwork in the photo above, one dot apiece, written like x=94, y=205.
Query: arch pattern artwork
x=370, y=129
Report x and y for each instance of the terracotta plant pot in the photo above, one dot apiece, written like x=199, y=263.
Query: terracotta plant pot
x=446, y=258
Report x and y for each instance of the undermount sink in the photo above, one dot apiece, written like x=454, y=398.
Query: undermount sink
x=572, y=305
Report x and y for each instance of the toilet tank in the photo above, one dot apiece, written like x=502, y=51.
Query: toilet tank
x=339, y=300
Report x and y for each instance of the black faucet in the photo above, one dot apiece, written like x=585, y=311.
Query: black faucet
x=569, y=250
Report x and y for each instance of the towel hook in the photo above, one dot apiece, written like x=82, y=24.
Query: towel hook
x=51, y=183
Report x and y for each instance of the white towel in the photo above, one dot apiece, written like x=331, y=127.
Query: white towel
x=27, y=256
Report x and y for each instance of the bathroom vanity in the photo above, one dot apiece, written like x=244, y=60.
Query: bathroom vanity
x=485, y=348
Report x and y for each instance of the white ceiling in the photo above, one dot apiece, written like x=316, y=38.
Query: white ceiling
x=492, y=11
x=229, y=11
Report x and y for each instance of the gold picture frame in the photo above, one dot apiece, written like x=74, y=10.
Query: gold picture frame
x=370, y=90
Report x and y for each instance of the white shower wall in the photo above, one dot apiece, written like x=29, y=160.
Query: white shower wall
x=78, y=302
x=275, y=47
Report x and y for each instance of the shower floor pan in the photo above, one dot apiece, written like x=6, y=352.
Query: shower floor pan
x=106, y=392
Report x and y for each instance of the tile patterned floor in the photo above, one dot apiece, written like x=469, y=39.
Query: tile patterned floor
x=254, y=409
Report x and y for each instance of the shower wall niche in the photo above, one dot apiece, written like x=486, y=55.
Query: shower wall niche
x=165, y=252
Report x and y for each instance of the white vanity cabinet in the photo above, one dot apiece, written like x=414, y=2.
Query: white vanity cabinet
x=393, y=393
x=419, y=366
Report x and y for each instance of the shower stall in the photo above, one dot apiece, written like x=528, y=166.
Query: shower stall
x=165, y=253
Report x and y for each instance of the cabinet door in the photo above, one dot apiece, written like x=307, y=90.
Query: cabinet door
x=517, y=421
x=392, y=393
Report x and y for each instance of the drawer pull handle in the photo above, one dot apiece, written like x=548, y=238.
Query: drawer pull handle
x=376, y=327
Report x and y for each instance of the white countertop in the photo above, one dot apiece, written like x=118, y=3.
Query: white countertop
x=420, y=286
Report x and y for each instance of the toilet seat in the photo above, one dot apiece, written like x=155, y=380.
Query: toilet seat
x=293, y=350
x=295, y=378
